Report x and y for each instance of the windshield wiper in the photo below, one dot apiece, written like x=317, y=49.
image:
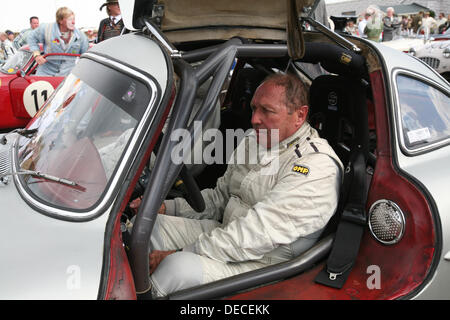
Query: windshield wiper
x=28, y=133
x=43, y=176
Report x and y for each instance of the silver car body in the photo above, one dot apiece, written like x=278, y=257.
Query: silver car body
x=44, y=257
x=430, y=167
x=49, y=258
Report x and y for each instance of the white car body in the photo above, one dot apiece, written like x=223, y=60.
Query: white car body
x=436, y=54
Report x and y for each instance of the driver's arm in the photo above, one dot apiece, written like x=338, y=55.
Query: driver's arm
x=297, y=206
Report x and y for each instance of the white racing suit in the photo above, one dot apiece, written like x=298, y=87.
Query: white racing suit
x=258, y=214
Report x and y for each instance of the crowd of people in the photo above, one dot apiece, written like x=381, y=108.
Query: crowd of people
x=378, y=26
x=372, y=24
x=60, y=36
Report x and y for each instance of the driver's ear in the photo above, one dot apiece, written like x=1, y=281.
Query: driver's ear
x=302, y=114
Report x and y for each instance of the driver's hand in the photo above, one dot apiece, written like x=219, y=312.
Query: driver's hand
x=135, y=204
x=40, y=60
x=156, y=257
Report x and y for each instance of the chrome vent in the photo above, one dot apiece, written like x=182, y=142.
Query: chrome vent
x=432, y=62
x=386, y=222
x=5, y=163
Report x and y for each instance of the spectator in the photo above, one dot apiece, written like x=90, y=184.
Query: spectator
x=442, y=19
x=6, y=46
x=22, y=38
x=10, y=35
x=441, y=22
x=405, y=25
x=417, y=21
x=113, y=25
x=92, y=37
x=362, y=25
x=60, y=36
x=351, y=28
x=429, y=23
x=390, y=25
x=446, y=25
x=374, y=26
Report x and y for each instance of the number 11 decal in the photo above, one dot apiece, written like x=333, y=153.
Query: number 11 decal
x=34, y=93
x=35, y=96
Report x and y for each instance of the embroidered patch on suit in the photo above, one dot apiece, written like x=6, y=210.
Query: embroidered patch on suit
x=301, y=169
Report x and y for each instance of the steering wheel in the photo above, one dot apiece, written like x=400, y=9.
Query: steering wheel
x=192, y=192
x=185, y=186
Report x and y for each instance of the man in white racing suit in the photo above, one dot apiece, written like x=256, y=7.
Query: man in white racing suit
x=256, y=216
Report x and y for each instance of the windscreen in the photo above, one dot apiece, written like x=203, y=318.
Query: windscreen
x=16, y=62
x=82, y=132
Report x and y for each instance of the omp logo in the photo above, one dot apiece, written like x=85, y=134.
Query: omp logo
x=301, y=169
x=346, y=59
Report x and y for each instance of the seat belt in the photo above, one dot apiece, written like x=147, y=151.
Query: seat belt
x=351, y=226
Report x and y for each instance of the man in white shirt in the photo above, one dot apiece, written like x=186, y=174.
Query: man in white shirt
x=362, y=25
x=429, y=23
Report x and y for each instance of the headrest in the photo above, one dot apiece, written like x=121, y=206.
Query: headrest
x=331, y=93
x=338, y=108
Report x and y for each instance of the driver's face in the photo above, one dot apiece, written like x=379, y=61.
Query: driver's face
x=271, y=118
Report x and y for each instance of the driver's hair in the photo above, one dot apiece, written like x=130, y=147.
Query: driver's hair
x=295, y=91
x=62, y=13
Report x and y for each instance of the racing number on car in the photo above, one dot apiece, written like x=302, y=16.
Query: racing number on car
x=35, y=95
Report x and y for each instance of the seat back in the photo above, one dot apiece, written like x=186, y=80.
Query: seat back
x=338, y=111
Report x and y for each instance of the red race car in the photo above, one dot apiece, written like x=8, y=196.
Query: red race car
x=22, y=92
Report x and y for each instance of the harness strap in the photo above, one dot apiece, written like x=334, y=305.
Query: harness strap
x=350, y=228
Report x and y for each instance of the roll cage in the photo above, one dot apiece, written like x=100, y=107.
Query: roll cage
x=216, y=61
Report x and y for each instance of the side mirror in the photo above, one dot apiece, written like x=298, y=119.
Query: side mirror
x=20, y=73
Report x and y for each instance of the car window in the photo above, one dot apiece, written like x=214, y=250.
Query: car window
x=424, y=111
x=83, y=131
x=16, y=62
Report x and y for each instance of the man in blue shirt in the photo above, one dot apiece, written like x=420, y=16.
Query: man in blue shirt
x=58, y=37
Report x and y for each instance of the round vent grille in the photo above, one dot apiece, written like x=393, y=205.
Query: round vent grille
x=386, y=222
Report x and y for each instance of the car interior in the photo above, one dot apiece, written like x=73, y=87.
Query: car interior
x=340, y=98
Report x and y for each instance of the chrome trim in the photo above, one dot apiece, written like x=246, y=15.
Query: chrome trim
x=340, y=40
x=447, y=256
x=402, y=218
x=397, y=113
x=174, y=53
x=102, y=206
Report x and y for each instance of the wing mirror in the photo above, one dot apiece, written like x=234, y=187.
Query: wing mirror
x=20, y=73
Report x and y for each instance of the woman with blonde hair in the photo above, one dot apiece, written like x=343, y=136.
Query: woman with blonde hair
x=57, y=37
